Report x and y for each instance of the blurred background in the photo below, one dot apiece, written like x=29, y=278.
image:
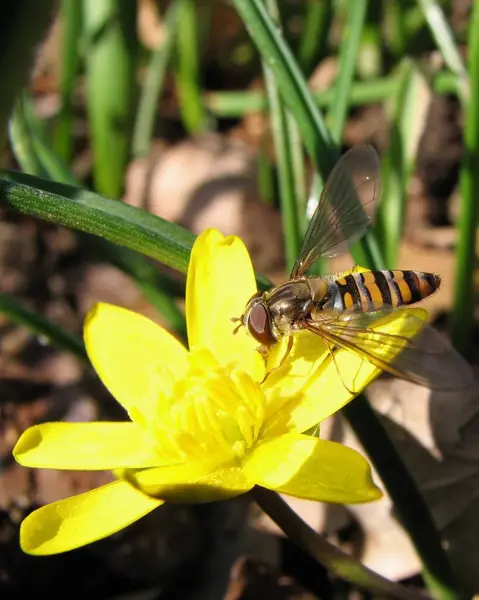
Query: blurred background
x=163, y=106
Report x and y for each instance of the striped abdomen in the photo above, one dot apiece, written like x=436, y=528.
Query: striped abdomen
x=373, y=289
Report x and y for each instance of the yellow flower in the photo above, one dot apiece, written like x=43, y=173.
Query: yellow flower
x=202, y=427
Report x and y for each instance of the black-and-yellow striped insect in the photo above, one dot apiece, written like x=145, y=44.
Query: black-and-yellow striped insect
x=343, y=309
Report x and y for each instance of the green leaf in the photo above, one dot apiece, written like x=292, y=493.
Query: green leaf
x=111, y=49
x=71, y=16
x=300, y=102
x=441, y=31
x=86, y=211
x=464, y=299
x=114, y=221
x=408, y=112
x=34, y=322
x=188, y=69
x=353, y=28
x=36, y=157
x=23, y=25
x=153, y=84
x=285, y=149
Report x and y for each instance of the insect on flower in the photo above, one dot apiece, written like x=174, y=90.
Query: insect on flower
x=342, y=309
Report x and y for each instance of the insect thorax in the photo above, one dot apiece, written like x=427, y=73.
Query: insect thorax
x=292, y=302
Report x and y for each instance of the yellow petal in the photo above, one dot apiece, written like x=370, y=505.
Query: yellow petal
x=311, y=388
x=313, y=469
x=86, y=446
x=219, y=284
x=85, y=518
x=191, y=483
x=128, y=351
x=284, y=386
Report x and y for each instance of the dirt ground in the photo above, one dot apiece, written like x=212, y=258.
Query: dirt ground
x=178, y=551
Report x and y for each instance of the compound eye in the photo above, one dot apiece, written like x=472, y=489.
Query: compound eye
x=259, y=325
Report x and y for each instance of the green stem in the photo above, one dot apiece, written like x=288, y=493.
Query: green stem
x=463, y=310
x=412, y=510
x=332, y=558
x=153, y=84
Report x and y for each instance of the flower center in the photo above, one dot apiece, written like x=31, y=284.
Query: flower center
x=211, y=411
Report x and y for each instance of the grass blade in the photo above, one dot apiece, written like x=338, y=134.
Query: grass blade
x=317, y=140
x=298, y=169
x=23, y=25
x=353, y=28
x=284, y=157
x=89, y=212
x=153, y=84
x=40, y=326
x=37, y=158
x=110, y=28
x=290, y=81
x=299, y=100
x=444, y=37
x=114, y=221
x=237, y=104
x=317, y=21
x=188, y=69
x=408, y=113
x=71, y=15
x=462, y=317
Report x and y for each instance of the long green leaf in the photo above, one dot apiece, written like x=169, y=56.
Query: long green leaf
x=86, y=211
x=290, y=82
x=34, y=322
x=353, y=28
x=314, y=39
x=463, y=311
x=111, y=48
x=71, y=16
x=22, y=26
x=37, y=158
x=236, y=104
x=188, y=69
x=283, y=147
x=441, y=31
x=408, y=112
x=152, y=86
x=299, y=100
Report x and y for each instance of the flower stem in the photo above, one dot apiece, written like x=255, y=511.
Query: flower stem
x=411, y=508
x=332, y=558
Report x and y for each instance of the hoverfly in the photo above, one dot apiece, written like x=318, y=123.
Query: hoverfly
x=343, y=309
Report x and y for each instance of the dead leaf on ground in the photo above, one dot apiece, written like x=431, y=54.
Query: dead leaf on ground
x=209, y=182
x=437, y=435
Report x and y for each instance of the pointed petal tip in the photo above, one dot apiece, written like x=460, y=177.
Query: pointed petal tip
x=28, y=440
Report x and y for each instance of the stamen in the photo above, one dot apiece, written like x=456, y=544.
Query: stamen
x=211, y=411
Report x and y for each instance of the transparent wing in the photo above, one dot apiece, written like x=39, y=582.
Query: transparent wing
x=427, y=359
x=345, y=210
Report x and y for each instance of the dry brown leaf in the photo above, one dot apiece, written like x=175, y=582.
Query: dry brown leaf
x=209, y=182
x=437, y=435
